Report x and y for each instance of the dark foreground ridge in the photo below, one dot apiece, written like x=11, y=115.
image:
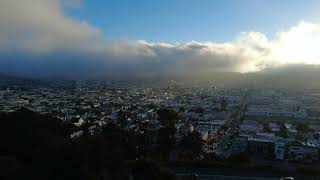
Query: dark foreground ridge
x=35, y=146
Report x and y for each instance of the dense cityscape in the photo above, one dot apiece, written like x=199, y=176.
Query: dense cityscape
x=260, y=127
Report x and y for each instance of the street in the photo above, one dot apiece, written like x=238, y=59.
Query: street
x=233, y=122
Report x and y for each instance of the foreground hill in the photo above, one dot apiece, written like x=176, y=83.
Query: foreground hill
x=35, y=146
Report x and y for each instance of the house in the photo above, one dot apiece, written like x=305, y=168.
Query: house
x=182, y=130
x=268, y=146
x=239, y=145
x=302, y=152
x=209, y=129
x=274, y=127
x=250, y=127
x=279, y=150
x=261, y=147
x=283, y=108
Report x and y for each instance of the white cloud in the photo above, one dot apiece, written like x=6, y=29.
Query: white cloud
x=40, y=27
x=299, y=44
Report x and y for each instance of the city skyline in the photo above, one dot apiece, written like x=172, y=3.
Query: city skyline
x=160, y=89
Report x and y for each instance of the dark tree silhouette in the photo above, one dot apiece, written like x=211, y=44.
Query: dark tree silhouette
x=223, y=104
x=283, y=132
x=37, y=146
x=167, y=117
x=166, y=141
x=122, y=119
x=192, y=142
x=166, y=136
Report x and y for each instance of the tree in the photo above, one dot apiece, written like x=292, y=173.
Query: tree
x=166, y=136
x=266, y=128
x=41, y=148
x=182, y=109
x=302, y=127
x=122, y=119
x=223, y=104
x=167, y=117
x=224, y=127
x=283, y=132
x=199, y=110
x=166, y=140
x=192, y=142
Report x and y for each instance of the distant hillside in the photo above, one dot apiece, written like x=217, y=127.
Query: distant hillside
x=5, y=77
x=296, y=77
x=289, y=77
x=20, y=81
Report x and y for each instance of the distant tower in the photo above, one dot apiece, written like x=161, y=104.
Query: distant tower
x=212, y=89
x=79, y=85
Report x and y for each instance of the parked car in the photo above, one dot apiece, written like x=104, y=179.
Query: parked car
x=287, y=178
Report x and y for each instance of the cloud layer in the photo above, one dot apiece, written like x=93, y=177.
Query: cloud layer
x=37, y=38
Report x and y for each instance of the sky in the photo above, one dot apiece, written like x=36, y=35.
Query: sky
x=186, y=20
x=122, y=38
